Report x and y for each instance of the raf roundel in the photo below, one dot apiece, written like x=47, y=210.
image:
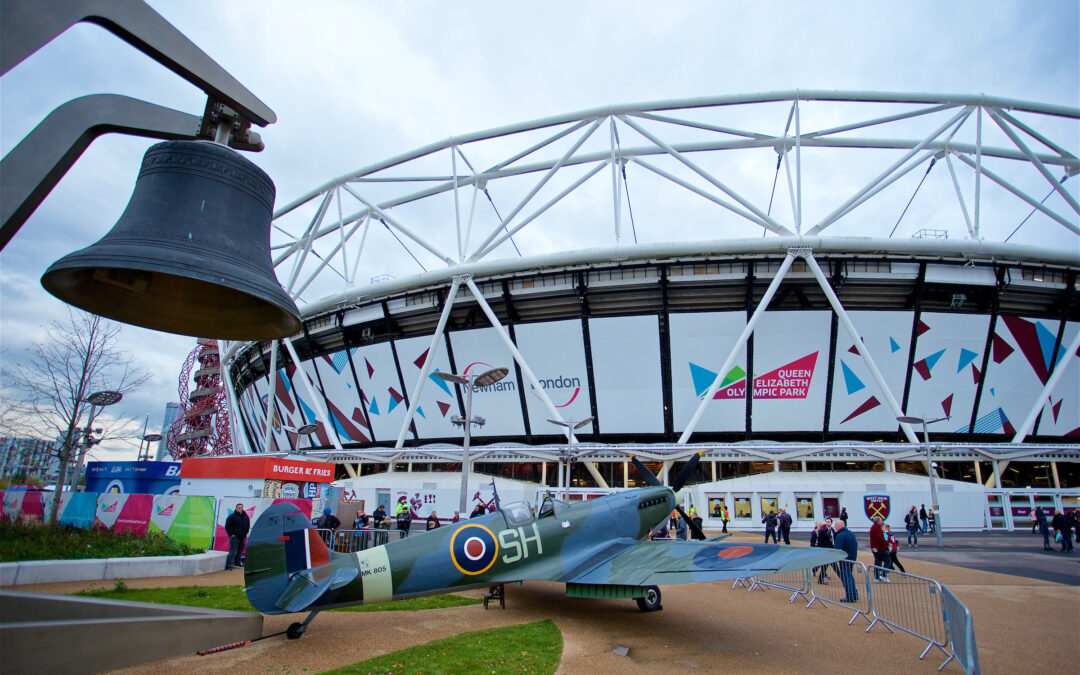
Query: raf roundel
x=473, y=549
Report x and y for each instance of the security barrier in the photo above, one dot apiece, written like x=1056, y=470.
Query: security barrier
x=351, y=541
x=912, y=604
x=797, y=581
x=916, y=605
x=848, y=587
x=961, y=633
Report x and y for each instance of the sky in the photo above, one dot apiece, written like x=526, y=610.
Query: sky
x=355, y=82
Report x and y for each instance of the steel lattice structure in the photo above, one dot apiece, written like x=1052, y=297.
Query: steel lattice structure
x=202, y=428
x=801, y=191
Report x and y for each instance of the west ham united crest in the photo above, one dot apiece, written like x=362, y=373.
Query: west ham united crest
x=876, y=506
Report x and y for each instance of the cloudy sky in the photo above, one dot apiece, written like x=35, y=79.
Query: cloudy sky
x=356, y=82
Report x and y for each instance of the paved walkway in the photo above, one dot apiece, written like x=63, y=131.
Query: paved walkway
x=1022, y=624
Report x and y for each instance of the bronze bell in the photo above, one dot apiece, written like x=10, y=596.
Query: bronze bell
x=190, y=254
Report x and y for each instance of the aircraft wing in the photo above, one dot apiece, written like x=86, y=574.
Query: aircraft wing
x=647, y=563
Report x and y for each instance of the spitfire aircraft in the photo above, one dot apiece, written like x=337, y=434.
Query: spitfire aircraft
x=599, y=548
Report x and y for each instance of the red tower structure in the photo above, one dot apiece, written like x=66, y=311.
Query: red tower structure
x=202, y=427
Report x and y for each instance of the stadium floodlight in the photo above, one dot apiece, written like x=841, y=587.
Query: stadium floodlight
x=907, y=419
x=485, y=379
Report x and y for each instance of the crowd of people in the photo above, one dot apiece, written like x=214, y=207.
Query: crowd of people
x=1066, y=526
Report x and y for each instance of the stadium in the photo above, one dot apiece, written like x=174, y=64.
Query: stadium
x=770, y=280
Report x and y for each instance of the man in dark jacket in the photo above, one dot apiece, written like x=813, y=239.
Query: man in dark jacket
x=845, y=540
x=379, y=515
x=1044, y=529
x=785, y=526
x=328, y=521
x=237, y=526
x=771, y=522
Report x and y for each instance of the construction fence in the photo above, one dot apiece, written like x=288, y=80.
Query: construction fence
x=919, y=606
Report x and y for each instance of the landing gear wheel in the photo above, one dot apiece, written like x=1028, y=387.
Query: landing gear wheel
x=651, y=601
x=294, y=631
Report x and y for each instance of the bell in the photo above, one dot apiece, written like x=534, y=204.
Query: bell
x=190, y=254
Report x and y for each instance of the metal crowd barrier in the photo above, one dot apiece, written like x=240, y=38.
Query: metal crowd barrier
x=797, y=581
x=961, y=633
x=835, y=592
x=916, y=605
x=912, y=604
x=351, y=541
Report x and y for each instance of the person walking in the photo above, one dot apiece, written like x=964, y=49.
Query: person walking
x=894, y=546
x=879, y=546
x=785, y=526
x=825, y=540
x=237, y=526
x=843, y=514
x=911, y=523
x=327, y=521
x=697, y=520
x=845, y=540
x=1063, y=524
x=725, y=517
x=931, y=520
x=771, y=522
x=1044, y=528
x=924, y=519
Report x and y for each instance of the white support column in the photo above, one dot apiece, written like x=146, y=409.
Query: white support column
x=713, y=463
x=1057, y=481
x=271, y=397
x=235, y=428
x=525, y=369
x=665, y=469
x=543, y=473
x=595, y=473
x=691, y=426
x=316, y=400
x=1051, y=383
x=978, y=473
x=349, y=469
x=845, y=321
x=429, y=362
x=626, y=474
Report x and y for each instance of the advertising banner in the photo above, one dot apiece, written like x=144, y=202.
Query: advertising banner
x=857, y=402
x=77, y=509
x=23, y=505
x=253, y=507
x=555, y=352
x=699, y=345
x=947, y=369
x=479, y=350
x=124, y=513
x=188, y=520
x=341, y=395
x=791, y=351
x=146, y=478
x=626, y=369
x=438, y=401
x=380, y=389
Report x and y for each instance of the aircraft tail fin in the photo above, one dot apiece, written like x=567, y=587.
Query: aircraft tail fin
x=282, y=544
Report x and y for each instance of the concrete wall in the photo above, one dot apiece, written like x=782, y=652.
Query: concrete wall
x=68, y=634
x=48, y=571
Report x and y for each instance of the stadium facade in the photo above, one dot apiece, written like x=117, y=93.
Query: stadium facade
x=770, y=280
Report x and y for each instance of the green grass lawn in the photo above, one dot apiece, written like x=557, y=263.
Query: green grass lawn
x=38, y=541
x=525, y=648
x=233, y=598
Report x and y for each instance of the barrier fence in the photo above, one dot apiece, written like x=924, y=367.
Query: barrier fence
x=351, y=541
x=916, y=605
x=912, y=604
x=961, y=633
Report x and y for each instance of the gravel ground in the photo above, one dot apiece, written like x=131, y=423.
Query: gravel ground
x=1021, y=625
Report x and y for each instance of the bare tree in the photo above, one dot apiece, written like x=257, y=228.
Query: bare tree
x=76, y=359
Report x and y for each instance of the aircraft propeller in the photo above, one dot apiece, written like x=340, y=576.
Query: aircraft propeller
x=680, y=480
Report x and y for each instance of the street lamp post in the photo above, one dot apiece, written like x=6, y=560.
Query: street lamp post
x=568, y=457
x=485, y=379
x=930, y=469
x=97, y=400
x=149, y=438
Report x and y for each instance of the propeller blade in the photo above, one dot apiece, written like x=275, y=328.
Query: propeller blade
x=684, y=474
x=650, y=477
x=699, y=534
